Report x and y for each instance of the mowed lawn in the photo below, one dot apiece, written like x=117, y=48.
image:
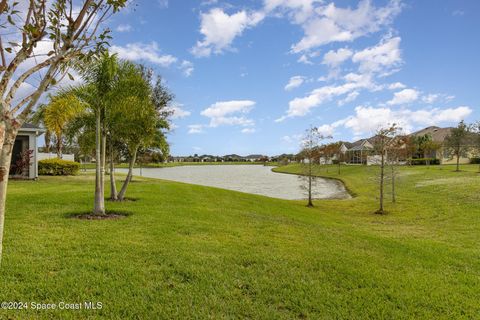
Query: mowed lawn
x=197, y=252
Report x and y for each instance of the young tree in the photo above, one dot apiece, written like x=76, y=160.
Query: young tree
x=69, y=29
x=310, y=145
x=57, y=114
x=396, y=151
x=456, y=142
x=139, y=114
x=426, y=146
x=99, y=77
x=384, y=138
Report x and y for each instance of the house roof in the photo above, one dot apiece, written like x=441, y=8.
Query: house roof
x=28, y=127
x=438, y=134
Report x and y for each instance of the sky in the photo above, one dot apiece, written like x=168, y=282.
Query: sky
x=251, y=76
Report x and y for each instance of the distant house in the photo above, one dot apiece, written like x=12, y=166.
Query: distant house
x=256, y=158
x=439, y=135
x=363, y=150
x=358, y=151
x=26, y=140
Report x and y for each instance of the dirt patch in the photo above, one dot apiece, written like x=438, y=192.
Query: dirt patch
x=109, y=215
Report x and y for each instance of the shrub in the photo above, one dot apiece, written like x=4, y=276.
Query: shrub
x=58, y=167
x=424, y=161
x=475, y=160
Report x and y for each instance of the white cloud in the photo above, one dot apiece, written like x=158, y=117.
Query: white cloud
x=294, y=82
x=329, y=23
x=396, y=85
x=301, y=106
x=367, y=120
x=195, y=128
x=187, y=68
x=219, y=29
x=178, y=112
x=404, y=97
x=248, y=130
x=229, y=113
x=142, y=51
x=326, y=130
x=380, y=58
x=124, y=28
x=306, y=57
x=352, y=96
x=334, y=58
x=430, y=98
x=150, y=52
x=293, y=139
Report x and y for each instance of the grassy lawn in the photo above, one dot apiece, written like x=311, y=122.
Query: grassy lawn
x=196, y=252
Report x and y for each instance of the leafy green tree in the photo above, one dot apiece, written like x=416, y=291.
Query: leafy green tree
x=456, y=142
x=71, y=28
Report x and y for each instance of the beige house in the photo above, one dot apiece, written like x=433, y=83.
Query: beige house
x=363, y=151
x=439, y=135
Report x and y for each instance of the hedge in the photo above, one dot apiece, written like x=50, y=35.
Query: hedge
x=58, y=167
x=424, y=161
x=475, y=160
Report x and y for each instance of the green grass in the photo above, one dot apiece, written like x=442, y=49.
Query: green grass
x=197, y=252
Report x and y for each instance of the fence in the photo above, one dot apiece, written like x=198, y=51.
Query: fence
x=43, y=156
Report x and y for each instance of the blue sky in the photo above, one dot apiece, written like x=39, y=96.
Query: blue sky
x=251, y=76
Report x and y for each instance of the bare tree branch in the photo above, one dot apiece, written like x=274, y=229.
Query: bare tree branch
x=25, y=76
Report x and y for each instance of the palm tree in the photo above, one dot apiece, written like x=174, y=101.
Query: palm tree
x=58, y=113
x=99, y=78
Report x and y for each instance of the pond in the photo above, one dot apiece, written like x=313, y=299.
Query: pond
x=256, y=179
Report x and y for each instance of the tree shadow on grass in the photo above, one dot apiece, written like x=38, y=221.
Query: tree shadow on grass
x=126, y=199
x=109, y=215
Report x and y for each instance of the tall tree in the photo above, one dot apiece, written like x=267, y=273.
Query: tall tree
x=456, y=142
x=310, y=145
x=70, y=29
x=383, y=140
x=100, y=77
x=145, y=127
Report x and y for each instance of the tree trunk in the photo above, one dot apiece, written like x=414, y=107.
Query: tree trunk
x=59, y=147
x=310, y=202
x=382, y=176
x=121, y=194
x=99, y=206
x=48, y=141
x=394, y=197
x=458, y=162
x=113, y=187
x=5, y=159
